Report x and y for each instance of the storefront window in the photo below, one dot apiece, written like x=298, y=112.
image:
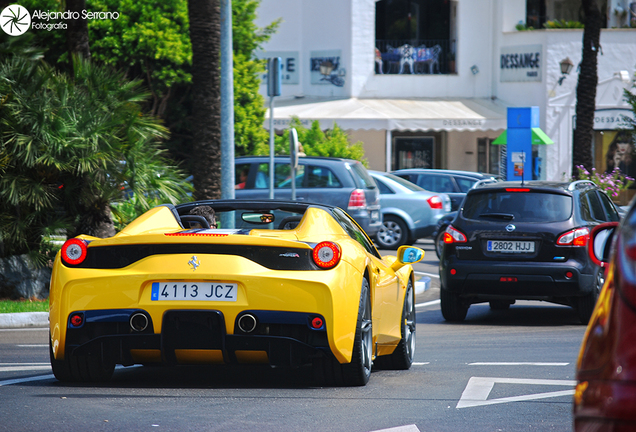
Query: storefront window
x=615, y=149
x=415, y=152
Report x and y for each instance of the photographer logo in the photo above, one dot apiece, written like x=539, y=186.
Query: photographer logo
x=15, y=20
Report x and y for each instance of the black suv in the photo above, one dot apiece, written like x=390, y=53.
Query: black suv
x=343, y=183
x=528, y=241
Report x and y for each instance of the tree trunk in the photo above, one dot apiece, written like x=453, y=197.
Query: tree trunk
x=205, y=36
x=77, y=30
x=586, y=88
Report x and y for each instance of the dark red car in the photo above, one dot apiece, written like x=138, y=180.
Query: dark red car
x=605, y=397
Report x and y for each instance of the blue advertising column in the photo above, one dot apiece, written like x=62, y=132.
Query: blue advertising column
x=521, y=122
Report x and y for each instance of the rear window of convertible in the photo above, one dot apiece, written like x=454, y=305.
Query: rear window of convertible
x=518, y=206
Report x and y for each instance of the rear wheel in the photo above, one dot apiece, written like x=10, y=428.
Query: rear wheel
x=402, y=357
x=80, y=368
x=328, y=371
x=585, y=305
x=357, y=372
x=439, y=244
x=452, y=307
x=393, y=233
x=499, y=305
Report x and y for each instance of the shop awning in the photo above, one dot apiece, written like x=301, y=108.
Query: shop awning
x=392, y=114
x=538, y=138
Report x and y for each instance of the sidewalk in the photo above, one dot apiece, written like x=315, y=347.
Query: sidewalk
x=24, y=320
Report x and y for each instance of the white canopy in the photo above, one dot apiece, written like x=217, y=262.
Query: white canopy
x=392, y=114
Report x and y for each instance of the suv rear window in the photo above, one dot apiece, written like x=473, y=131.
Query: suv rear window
x=518, y=206
x=362, y=175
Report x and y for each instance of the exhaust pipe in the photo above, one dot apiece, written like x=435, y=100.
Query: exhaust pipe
x=138, y=322
x=247, y=323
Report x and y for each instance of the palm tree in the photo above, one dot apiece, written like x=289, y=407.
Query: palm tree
x=205, y=36
x=586, y=87
x=77, y=30
x=68, y=146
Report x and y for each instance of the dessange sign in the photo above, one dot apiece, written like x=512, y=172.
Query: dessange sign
x=521, y=63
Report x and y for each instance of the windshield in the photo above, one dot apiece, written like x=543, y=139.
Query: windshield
x=518, y=206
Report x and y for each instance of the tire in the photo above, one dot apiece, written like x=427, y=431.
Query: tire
x=329, y=372
x=499, y=305
x=80, y=368
x=357, y=372
x=439, y=243
x=402, y=357
x=452, y=307
x=393, y=233
x=586, y=304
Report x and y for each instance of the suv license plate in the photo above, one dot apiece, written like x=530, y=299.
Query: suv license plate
x=197, y=291
x=508, y=246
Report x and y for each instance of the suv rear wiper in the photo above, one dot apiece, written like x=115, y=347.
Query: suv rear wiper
x=507, y=216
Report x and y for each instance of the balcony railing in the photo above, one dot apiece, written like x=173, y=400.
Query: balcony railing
x=415, y=56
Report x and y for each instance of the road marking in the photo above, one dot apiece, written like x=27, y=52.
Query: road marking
x=478, y=388
x=427, y=274
x=32, y=346
x=23, y=380
x=430, y=303
x=515, y=364
x=24, y=368
x=420, y=363
x=407, y=428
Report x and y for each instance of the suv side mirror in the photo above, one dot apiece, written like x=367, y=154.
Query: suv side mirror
x=599, y=244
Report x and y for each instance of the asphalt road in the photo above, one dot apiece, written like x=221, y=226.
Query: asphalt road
x=498, y=371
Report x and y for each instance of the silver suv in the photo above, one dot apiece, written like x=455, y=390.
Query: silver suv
x=343, y=183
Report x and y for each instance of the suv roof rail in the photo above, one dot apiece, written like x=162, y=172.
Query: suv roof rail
x=581, y=184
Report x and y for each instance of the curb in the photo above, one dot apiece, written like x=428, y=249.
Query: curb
x=422, y=285
x=24, y=320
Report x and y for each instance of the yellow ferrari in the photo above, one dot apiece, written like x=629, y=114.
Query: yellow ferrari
x=228, y=281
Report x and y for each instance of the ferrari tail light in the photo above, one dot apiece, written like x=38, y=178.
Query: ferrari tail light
x=326, y=255
x=74, y=251
x=357, y=200
x=435, y=202
x=451, y=235
x=577, y=237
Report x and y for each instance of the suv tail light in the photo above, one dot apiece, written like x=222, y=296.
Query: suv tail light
x=357, y=200
x=576, y=237
x=435, y=202
x=451, y=235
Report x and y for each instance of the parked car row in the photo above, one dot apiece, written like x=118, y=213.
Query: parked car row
x=391, y=210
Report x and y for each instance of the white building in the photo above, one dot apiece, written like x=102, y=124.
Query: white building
x=474, y=65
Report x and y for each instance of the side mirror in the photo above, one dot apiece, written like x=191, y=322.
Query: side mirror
x=599, y=244
x=410, y=254
x=407, y=255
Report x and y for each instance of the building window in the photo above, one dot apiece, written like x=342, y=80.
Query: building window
x=488, y=156
x=538, y=12
x=415, y=36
